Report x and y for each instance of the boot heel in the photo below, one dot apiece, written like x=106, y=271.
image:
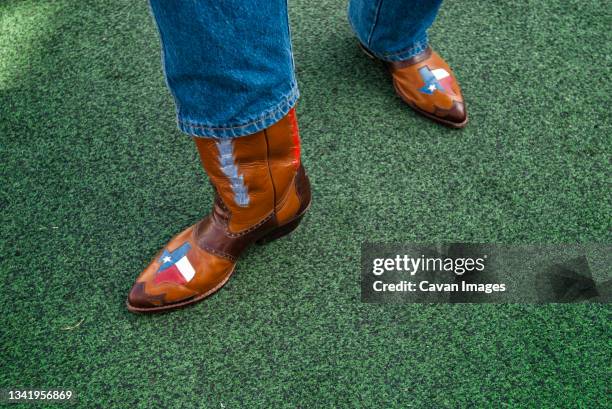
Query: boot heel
x=280, y=232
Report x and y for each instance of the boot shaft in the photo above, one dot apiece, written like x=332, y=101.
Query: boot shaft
x=254, y=175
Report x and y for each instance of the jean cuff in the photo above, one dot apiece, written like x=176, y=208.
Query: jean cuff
x=414, y=48
x=265, y=120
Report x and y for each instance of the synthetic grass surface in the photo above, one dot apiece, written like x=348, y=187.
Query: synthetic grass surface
x=96, y=178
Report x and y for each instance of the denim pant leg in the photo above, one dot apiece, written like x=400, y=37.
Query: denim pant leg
x=393, y=30
x=228, y=64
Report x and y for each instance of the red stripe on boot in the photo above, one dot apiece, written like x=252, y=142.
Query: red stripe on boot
x=296, y=136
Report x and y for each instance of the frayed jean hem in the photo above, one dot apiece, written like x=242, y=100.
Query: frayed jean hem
x=265, y=120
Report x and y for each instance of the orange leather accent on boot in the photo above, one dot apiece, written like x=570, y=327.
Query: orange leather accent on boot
x=262, y=193
x=250, y=156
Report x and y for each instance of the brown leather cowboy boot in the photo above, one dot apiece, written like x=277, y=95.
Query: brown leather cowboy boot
x=427, y=84
x=262, y=193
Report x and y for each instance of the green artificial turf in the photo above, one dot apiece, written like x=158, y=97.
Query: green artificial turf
x=96, y=178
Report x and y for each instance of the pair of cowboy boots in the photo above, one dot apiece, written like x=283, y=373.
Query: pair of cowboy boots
x=262, y=192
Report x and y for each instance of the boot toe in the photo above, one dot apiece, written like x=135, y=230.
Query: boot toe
x=457, y=115
x=427, y=84
x=169, y=295
x=138, y=298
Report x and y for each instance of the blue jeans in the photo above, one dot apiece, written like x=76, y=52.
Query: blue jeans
x=229, y=64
